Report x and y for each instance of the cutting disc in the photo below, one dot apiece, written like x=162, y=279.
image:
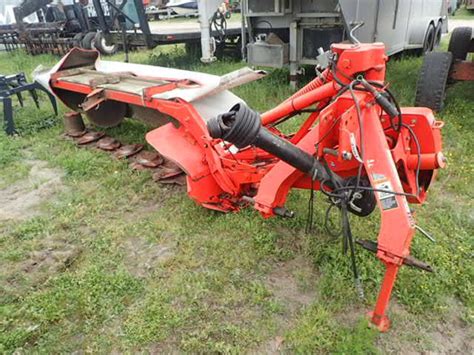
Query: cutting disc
x=107, y=114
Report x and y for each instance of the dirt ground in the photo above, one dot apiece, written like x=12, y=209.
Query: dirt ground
x=453, y=23
x=23, y=199
x=292, y=285
x=450, y=336
x=142, y=257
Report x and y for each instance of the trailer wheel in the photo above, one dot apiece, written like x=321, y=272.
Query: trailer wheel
x=88, y=40
x=77, y=40
x=429, y=41
x=438, y=33
x=432, y=80
x=459, y=42
x=100, y=43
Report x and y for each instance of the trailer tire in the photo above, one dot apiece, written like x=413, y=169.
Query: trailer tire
x=428, y=42
x=88, y=41
x=438, y=33
x=432, y=80
x=459, y=42
x=77, y=40
x=100, y=43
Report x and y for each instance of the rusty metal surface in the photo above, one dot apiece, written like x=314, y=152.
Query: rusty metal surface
x=136, y=166
x=114, y=112
x=167, y=172
x=149, y=159
x=108, y=144
x=163, y=171
x=151, y=117
x=128, y=150
x=81, y=71
x=371, y=246
x=90, y=137
x=36, y=40
x=463, y=71
x=124, y=82
x=79, y=58
x=74, y=124
x=176, y=180
x=107, y=114
x=93, y=99
x=71, y=99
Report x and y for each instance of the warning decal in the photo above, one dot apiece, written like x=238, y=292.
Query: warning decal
x=387, y=200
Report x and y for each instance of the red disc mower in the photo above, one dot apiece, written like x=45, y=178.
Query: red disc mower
x=356, y=146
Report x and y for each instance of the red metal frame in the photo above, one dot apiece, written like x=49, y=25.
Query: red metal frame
x=463, y=71
x=220, y=180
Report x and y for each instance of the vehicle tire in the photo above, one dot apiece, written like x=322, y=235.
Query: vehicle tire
x=88, y=40
x=438, y=33
x=432, y=80
x=460, y=42
x=100, y=43
x=428, y=42
x=77, y=40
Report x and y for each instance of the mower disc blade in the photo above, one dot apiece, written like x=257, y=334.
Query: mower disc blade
x=107, y=114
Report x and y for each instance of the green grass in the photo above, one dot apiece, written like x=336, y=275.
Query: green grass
x=213, y=294
x=463, y=14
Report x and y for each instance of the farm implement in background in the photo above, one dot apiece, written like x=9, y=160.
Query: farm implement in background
x=15, y=84
x=356, y=146
x=59, y=28
x=53, y=33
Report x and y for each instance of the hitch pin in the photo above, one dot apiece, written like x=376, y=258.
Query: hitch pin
x=279, y=211
x=425, y=233
x=248, y=199
x=283, y=212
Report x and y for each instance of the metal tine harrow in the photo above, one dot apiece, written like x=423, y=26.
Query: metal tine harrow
x=16, y=84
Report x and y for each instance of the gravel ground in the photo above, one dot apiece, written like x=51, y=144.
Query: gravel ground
x=453, y=23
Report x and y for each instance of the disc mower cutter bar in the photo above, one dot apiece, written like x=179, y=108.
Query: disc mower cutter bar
x=357, y=146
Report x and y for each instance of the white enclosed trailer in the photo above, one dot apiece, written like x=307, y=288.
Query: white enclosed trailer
x=290, y=32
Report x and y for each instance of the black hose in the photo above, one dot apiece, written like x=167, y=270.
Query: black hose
x=242, y=127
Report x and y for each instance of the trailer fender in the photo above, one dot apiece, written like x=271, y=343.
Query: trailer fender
x=419, y=30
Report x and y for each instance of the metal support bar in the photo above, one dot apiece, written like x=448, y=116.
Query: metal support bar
x=243, y=34
x=119, y=10
x=8, y=116
x=100, y=15
x=143, y=21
